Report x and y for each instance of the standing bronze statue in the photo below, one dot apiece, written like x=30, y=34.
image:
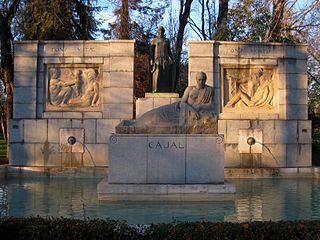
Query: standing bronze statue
x=162, y=64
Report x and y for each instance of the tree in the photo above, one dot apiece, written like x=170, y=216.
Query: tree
x=137, y=19
x=7, y=13
x=57, y=20
x=222, y=31
x=184, y=13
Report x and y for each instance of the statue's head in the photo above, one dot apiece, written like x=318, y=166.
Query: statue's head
x=90, y=73
x=54, y=72
x=160, y=31
x=201, y=79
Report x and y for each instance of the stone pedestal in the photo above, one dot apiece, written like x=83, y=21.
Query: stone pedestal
x=165, y=192
x=166, y=167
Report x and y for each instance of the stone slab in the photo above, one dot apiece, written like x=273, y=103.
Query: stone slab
x=244, y=135
x=105, y=127
x=22, y=154
x=299, y=112
x=24, y=95
x=96, y=48
x=231, y=156
x=203, y=159
x=16, y=131
x=26, y=48
x=95, y=155
x=143, y=105
x=274, y=155
x=166, y=159
x=200, y=48
x=118, y=79
x=89, y=127
x=24, y=110
x=286, y=131
x=66, y=146
x=122, y=48
x=25, y=64
x=304, y=132
x=233, y=126
x=47, y=155
x=35, y=131
x=166, y=192
x=54, y=126
x=122, y=111
x=121, y=64
x=118, y=95
x=25, y=78
x=127, y=159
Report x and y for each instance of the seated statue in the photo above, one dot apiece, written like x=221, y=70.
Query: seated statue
x=193, y=113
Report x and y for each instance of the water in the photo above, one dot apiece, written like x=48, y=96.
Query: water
x=261, y=199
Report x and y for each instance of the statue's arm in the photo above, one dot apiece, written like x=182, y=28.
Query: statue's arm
x=169, y=50
x=152, y=50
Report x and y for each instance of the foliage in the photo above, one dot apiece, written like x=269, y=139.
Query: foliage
x=316, y=136
x=248, y=20
x=62, y=228
x=3, y=149
x=57, y=20
x=143, y=18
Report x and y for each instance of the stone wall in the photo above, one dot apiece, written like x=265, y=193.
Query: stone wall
x=286, y=131
x=39, y=129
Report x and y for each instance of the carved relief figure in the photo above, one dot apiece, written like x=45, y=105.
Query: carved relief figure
x=81, y=90
x=91, y=94
x=60, y=91
x=161, y=61
x=257, y=90
x=194, y=109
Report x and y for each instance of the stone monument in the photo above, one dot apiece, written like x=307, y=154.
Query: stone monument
x=69, y=96
x=170, y=153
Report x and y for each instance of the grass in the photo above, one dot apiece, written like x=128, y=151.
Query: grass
x=3, y=150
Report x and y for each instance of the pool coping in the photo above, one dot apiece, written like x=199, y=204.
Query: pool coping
x=101, y=172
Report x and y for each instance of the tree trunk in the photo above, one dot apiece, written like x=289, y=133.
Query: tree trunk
x=7, y=58
x=221, y=33
x=184, y=14
x=124, y=20
x=274, y=32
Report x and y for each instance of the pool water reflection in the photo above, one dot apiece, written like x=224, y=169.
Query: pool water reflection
x=260, y=199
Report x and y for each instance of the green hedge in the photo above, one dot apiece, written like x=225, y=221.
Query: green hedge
x=63, y=228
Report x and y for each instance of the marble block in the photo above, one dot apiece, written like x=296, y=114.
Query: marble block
x=166, y=158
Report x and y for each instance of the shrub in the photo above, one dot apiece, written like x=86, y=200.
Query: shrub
x=63, y=228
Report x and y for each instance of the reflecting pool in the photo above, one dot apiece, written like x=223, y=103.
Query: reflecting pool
x=259, y=199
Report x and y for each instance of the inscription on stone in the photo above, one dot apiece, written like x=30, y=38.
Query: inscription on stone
x=57, y=49
x=90, y=50
x=166, y=145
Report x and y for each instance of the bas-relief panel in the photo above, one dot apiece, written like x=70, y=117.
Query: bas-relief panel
x=249, y=89
x=73, y=88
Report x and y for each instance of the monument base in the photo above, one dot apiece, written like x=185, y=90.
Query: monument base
x=165, y=192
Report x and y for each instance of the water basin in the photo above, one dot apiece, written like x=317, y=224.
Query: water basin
x=255, y=199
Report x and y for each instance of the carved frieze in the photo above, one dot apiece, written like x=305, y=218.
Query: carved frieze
x=248, y=88
x=73, y=87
